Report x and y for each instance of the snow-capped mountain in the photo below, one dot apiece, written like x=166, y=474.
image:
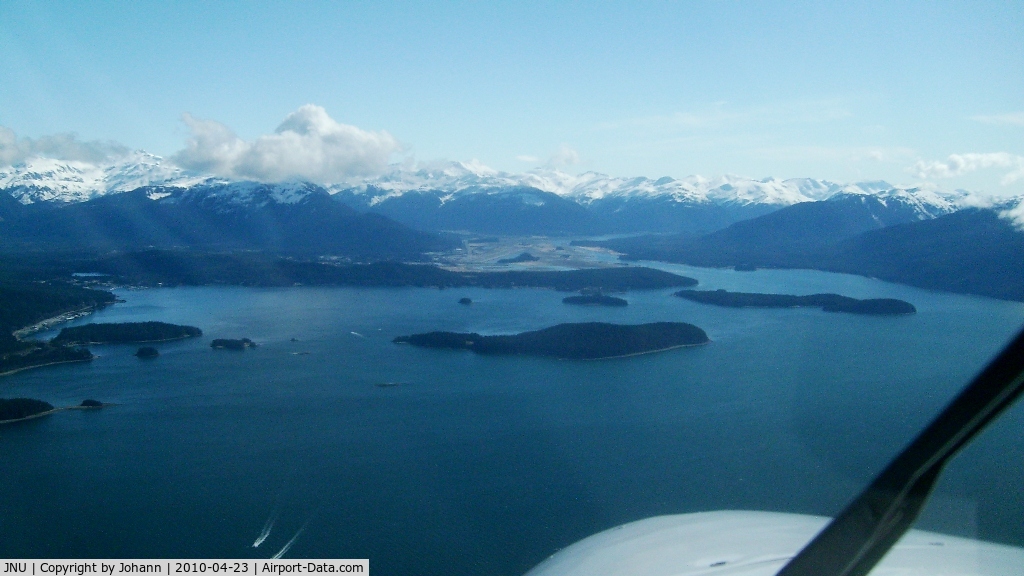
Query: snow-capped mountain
x=588, y=187
x=61, y=181
x=473, y=197
x=585, y=188
x=48, y=180
x=469, y=196
x=232, y=196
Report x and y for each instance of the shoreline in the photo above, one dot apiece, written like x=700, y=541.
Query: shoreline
x=131, y=342
x=39, y=415
x=55, y=410
x=16, y=370
x=48, y=323
x=644, y=352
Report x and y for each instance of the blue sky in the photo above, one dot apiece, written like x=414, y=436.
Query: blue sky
x=843, y=91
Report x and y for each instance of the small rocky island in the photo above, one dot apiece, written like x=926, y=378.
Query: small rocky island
x=827, y=302
x=124, y=332
x=147, y=352
x=231, y=344
x=594, y=298
x=589, y=340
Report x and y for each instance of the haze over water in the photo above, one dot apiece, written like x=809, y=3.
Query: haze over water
x=486, y=465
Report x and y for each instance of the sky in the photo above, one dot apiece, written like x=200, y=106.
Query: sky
x=905, y=92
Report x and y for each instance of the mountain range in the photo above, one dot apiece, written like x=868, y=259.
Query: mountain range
x=471, y=197
x=972, y=250
x=281, y=218
x=917, y=235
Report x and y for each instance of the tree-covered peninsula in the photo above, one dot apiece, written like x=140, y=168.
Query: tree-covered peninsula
x=827, y=302
x=36, y=354
x=125, y=332
x=21, y=408
x=24, y=304
x=589, y=340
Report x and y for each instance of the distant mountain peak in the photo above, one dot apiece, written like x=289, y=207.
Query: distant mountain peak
x=63, y=181
x=47, y=180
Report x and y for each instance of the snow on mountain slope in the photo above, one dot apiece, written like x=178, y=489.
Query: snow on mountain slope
x=928, y=202
x=456, y=178
x=48, y=180
x=229, y=195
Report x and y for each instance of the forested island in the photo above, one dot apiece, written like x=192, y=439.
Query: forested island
x=232, y=344
x=589, y=340
x=22, y=408
x=594, y=300
x=827, y=302
x=125, y=332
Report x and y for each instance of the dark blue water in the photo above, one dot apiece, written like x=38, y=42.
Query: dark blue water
x=488, y=464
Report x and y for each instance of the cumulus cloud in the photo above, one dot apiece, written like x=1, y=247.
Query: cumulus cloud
x=1011, y=119
x=308, y=145
x=565, y=156
x=960, y=164
x=66, y=146
x=528, y=159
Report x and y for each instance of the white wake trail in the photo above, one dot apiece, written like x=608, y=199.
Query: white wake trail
x=292, y=541
x=267, y=527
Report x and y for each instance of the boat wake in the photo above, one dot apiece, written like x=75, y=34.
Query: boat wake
x=281, y=552
x=267, y=527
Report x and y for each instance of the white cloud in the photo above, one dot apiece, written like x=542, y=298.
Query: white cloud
x=960, y=164
x=213, y=147
x=308, y=145
x=528, y=159
x=978, y=200
x=66, y=146
x=565, y=156
x=1015, y=215
x=1010, y=119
